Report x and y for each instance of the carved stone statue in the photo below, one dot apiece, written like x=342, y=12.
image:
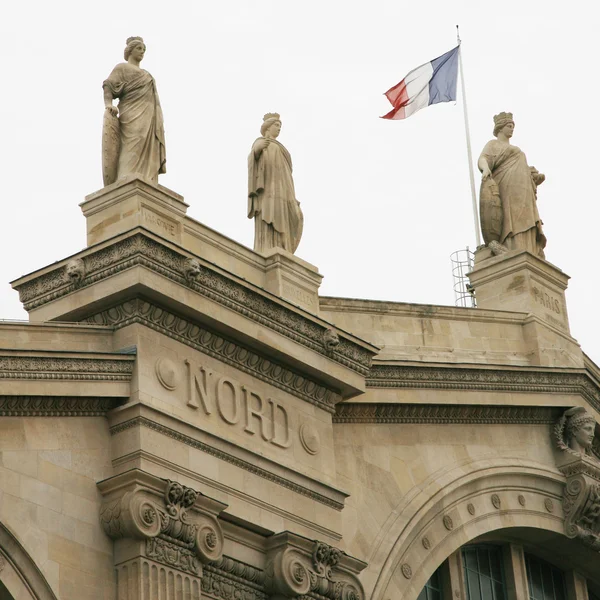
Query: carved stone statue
x=575, y=431
x=579, y=462
x=278, y=219
x=133, y=141
x=508, y=198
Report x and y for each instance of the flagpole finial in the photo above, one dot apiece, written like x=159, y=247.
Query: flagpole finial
x=457, y=35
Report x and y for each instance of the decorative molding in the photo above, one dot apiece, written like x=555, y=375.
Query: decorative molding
x=348, y=412
x=177, y=530
x=230, y=579
x=66, y=368
x=581, y=507
x=448, y=522
x=297, y=568
x=406, y=570
x=140, y=249
x=486, y=378
x=56, y=406
x=496, y=501
x=222, y=455
x=223, y=349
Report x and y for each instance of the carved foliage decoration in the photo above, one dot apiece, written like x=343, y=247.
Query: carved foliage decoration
x=300, y=568
x=172, y=536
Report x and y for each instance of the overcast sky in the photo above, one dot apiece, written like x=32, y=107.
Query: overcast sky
x=385, y=202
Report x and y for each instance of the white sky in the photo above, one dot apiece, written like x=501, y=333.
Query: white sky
x=385, y=203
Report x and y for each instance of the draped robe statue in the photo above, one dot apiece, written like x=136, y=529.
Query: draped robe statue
x=511, y=184
x=135, y=141
x=278, y=219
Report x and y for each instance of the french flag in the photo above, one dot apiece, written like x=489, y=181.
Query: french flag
x=433, y=82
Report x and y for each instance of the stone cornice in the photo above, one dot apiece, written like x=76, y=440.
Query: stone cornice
x=142, y=249
x=74, y=367
x=56, y=406
x=492, y=378
x=246, y=465
x=216, y=345
x=443, y=414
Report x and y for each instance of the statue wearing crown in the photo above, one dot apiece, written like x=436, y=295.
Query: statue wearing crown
x=508, y=198
x=278, y=219
x=133, y=137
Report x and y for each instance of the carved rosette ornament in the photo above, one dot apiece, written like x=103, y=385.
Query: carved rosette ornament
x=299, y=567
x=177, y=528
x=579, y=461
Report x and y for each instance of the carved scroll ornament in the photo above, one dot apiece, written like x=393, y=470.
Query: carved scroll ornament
x=175, y=533
x=299, y=567
x=580, y=463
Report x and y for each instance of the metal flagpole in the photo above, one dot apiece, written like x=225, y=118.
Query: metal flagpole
x=469, y=153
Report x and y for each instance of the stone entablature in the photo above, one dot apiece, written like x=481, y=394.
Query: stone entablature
x=141, y=248
x=220, y=347
x=486, y=378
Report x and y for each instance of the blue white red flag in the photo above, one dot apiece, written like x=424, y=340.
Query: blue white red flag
x=433, y=82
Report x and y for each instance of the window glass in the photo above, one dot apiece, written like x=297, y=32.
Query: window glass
x=484, y=575
x=433, y=588
x=546, y=582
x=593, y=596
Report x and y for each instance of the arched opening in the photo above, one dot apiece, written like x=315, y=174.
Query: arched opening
x=4, y=593
x=20, y=576
x=517, y=563
x=516, y=507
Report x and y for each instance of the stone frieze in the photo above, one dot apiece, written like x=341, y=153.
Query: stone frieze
x=140, y=249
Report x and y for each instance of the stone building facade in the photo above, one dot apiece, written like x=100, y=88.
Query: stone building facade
x=183, y=417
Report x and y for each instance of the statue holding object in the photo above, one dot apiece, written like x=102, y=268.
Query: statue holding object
x=133, y=137
x=278, y=219
x=508, y=198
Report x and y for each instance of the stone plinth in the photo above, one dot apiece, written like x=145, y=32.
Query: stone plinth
x=293, y=279
x=133, y=202
x=518, y=281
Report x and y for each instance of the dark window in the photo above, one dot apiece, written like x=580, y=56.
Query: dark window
x=545, y=581
x=433, y=588
x=593, y=596
x=484, y=576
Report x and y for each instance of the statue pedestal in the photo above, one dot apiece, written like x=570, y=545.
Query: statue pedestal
x=521, y=282
x=133, y=202
x=293, y=279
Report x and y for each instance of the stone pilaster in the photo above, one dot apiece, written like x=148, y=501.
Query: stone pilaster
x=164, y=534
x=297, y=566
